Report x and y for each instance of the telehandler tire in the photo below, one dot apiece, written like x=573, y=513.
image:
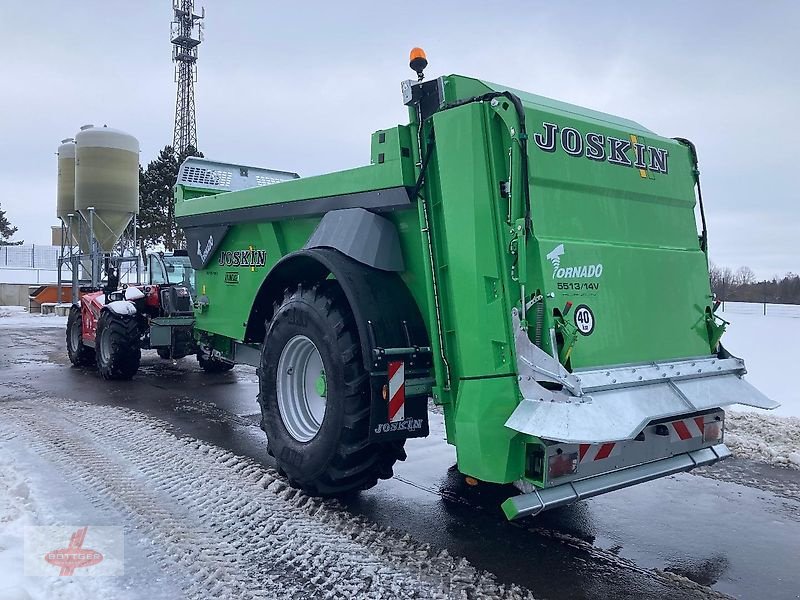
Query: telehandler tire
x=315, y=396
x=117, y=346
x=80, y=355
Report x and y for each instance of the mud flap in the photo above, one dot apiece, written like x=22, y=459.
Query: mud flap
x=616, y=403
x=399, y=411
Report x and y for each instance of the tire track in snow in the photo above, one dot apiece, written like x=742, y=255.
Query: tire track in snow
x=227, y=526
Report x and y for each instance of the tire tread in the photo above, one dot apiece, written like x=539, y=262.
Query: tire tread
x=357, y=464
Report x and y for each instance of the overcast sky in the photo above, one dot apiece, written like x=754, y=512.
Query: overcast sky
x=301, y=86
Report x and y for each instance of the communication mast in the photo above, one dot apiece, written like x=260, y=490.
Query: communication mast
x=184, y=55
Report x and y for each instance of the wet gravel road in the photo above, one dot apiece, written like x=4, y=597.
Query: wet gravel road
x=686, y=536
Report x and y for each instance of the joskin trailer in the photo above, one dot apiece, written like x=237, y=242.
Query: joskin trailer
x=533, y=267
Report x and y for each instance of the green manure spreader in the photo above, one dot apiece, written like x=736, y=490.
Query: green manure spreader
x=532, y=267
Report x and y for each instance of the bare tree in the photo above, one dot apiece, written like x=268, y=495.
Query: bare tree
x=722, y=281
x=744, y=276
x=742, y=285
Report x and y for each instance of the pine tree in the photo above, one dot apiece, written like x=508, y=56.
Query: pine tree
x=156, y=204
x=7, y=231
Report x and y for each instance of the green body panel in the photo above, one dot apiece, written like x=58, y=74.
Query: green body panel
x=647, y=288
x=486, y=449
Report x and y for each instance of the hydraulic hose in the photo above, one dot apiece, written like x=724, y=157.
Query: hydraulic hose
x=424, y=160
x=523, y=141
x=693, y=150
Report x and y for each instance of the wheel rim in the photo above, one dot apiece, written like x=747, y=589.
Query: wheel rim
x=105, y=346
x=302, y=388
x=75, y=335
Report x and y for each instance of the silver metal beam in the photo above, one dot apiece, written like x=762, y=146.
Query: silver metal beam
x=526, y=505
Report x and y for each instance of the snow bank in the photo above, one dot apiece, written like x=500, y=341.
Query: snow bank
x=763, y=437
x=18, y=316
x=770, y=349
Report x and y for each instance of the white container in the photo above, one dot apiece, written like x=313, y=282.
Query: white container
x=106, y=180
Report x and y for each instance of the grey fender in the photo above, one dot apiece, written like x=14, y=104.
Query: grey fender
x=385, y=312
x=362, y=235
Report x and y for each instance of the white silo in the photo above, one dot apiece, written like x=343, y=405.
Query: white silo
x=106, y=180
x=65, y=203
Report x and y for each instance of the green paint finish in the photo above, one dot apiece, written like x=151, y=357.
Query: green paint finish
x=510, y=509
x=469, y=228
x=486, y=449
x=395, y=170
x=619, y=241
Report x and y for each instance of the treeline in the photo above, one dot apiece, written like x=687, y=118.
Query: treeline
x=741, y=285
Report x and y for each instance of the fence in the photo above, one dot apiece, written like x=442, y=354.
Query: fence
x=762, y=308
x=29, y=257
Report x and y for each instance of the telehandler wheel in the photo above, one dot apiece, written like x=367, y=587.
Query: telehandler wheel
x=79, y=354
x=315, y=396
x=117, y=346
x=213, y=365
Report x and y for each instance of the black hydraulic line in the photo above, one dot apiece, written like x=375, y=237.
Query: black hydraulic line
x=523, y=140
x=423, y=168
x=693, y=150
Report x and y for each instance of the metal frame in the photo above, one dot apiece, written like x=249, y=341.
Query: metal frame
x=184, y=55
x=124, y=256
x=535, y=501
x=616, y=403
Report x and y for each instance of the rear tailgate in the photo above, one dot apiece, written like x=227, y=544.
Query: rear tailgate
x=620, y=243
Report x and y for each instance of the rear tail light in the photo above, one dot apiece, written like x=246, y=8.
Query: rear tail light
x=562, y=463
x=712, y=430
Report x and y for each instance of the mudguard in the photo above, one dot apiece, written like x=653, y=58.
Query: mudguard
x=362, y=235
x=395, y=346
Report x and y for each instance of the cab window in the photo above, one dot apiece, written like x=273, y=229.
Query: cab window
x=158, y=275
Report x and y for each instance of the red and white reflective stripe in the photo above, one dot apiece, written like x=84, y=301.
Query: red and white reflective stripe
x=397, y=391
x=592, y=452
x=686, y=429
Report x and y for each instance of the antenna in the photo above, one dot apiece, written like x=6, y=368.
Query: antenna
x=184, y=55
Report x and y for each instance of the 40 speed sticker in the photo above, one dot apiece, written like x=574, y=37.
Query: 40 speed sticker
x=584, y=319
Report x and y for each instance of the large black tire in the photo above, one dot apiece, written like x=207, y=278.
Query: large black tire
x=339, y=458
x=80, y=355
x=117, y=349
x=213, y=365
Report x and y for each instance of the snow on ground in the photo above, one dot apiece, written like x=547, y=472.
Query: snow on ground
x=21, y=509
x=766, y=438
x=18, y=316
x=199, y=522
x=770, y=347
